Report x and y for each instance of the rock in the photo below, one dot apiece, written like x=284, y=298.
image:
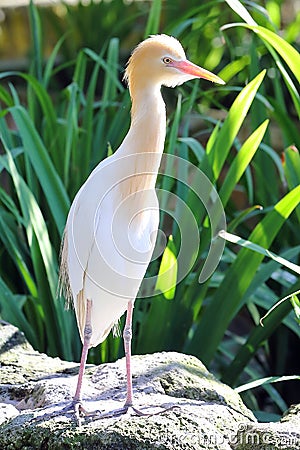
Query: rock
x=267, y=436
x=20, y=363
x=209, y=414
x=7, y=411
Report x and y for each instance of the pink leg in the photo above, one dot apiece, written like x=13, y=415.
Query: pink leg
x=127, y=336
x=128, y=406
x=86, y=344
x=76, y=405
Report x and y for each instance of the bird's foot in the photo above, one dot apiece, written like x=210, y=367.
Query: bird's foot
x=133, y=411
x=78, y=410
x=74, y=408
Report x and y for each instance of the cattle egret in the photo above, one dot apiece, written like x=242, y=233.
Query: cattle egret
x=113, y=221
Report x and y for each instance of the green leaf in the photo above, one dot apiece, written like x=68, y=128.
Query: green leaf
x=241, y=161
x=152, y=26
x=167, y=182
x=274, y=44
x=255, y=340
x=226, y=301
x=11, y=310
x=51, y=61
x=291, y=166
x=259, y=249
x=285, y=50
x=242, y=216
x=44, y=261
x=194, y=145
x=72, y=131
x=167, y=275
x=36, y=35
x=33, y=218
x=234, y=67
x=52, y=186
x=296, y=305
x=263, y=381
x=294, y=301
x=240, y=9
x=12, y=245
x=233, y=122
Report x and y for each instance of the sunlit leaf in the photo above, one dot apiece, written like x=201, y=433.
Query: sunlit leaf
x=240, y=9
x=257, y=248
x=266, y=380
x=51, y=183
x=241, y=161
x=167, y=275
x=232, y=124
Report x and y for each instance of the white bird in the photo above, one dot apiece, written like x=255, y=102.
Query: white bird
x=113, y=221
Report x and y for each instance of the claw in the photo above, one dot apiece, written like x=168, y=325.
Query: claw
x=131, y=410
x=75, y=407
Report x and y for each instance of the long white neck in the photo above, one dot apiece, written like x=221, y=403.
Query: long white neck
x=146, y=136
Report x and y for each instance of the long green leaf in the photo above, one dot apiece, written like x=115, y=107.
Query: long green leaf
x=291, y=166
x=152, y=26
x=71, y=131
x=33, y=217
x=285, y=50
x=240, y=9
x=12, y=245
x=226, y=301
x=42, y=255
x=266, y=380
x=256, y=338
x=274, y=44
x=241, y=161
x=52, y=186
x=11, y=310
x=167, y=274
x=36, y=34
x=259, y=249
x=51, y=61
x=237, y=113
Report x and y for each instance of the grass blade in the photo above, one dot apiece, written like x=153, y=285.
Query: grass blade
x=227, y=301
x=152, y=26
x=259, y=249
x=237, y=113
x=263, y=381
x=240, y=9
x=167, y=274
x=11, y=310
x=52, y=186
x=44, y=262
x=36, y=34
x=241, y=161
x=256, y=338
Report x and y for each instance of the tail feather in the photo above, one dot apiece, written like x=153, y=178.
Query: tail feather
x=64, y=285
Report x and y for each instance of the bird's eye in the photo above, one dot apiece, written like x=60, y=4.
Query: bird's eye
x=167, y=60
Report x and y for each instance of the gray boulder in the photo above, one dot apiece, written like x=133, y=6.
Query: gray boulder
x=200, y=412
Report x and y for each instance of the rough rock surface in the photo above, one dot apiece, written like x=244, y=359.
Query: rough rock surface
x=209, y=415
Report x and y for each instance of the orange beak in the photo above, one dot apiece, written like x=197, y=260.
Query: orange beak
x=191, y=69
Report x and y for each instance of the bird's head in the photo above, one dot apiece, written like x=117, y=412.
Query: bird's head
x=160, y=60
